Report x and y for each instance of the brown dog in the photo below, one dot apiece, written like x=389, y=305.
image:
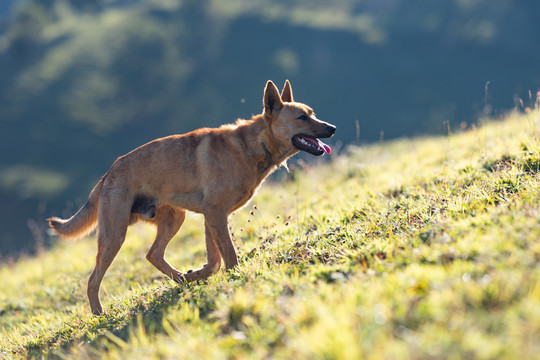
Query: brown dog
x=208, y=171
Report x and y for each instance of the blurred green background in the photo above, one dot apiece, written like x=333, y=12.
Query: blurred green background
x=85, y=81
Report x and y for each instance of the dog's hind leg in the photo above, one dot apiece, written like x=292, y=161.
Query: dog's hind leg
x=113, y=222
x=168, y=221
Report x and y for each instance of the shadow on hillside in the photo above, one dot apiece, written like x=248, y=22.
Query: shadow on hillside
x=114, y=328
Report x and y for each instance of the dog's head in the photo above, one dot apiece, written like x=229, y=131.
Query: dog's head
x=294, y=124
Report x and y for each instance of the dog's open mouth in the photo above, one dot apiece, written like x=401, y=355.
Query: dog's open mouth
x=310, y=144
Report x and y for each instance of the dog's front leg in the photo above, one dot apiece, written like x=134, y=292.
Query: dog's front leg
x=216, y=222
x=214, y=260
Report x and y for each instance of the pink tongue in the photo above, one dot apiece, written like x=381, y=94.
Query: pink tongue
x=323, y=146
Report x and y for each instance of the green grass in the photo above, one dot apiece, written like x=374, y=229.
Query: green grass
x=413, y=249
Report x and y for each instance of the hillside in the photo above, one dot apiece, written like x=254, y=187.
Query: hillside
x=417, y=248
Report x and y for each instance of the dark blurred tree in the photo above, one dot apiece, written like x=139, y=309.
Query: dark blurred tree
x=82, y=82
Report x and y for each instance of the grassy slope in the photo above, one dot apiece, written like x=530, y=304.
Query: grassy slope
x=423, y=248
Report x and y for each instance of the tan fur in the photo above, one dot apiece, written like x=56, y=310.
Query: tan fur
x=208, y=171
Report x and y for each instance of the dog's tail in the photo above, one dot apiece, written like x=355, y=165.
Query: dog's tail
x=84, y=220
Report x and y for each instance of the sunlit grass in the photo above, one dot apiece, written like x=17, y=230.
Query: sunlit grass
x=422, y=248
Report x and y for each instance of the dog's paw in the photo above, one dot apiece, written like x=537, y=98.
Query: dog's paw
x=97, y=311
x=179, y=278
x=194, y=275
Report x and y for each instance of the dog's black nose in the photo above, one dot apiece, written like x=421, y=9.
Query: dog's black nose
x=331, y=129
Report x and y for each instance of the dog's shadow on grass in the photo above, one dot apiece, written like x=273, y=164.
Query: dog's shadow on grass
x=120, y=327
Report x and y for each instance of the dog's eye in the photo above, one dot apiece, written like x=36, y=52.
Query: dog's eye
x=303, y=117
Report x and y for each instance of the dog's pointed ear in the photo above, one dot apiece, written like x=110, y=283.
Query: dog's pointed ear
x=286, y=93
x=271, y=100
